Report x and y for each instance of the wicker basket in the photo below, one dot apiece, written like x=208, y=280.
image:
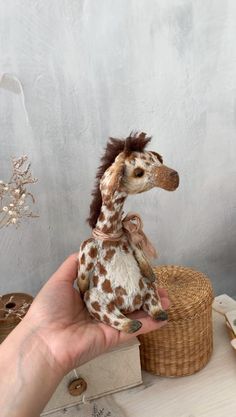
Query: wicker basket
x=185, y=344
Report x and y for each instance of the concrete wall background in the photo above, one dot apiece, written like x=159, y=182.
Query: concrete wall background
x=91, y=69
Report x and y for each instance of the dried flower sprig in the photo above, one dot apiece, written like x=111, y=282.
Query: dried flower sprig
x=14, y=196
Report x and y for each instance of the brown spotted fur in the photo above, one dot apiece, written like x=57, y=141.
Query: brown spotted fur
x=106, y=301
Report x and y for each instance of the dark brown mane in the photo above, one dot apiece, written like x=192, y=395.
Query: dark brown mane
x=133, y=143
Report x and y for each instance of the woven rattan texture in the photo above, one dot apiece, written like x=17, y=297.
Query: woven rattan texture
x=185, y=344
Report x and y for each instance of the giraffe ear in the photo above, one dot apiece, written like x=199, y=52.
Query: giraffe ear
x=159, y=157
x=113, y=177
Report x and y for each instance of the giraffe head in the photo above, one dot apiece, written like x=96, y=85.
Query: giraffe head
x=138, y=171
x=128, y=168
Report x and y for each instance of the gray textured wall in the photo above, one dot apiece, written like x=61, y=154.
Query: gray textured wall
x=91, y=69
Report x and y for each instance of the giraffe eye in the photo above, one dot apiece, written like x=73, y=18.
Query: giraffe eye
x=138, y=172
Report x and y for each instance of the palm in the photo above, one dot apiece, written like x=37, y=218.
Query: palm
x=66, y=326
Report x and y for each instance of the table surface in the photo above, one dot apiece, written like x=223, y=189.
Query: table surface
x=210, y=392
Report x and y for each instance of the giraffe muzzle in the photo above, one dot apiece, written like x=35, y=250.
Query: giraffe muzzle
x=166, y=178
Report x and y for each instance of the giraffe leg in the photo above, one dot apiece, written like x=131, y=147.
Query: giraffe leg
x=86, y=257
x=103, y=309
x=152, y=304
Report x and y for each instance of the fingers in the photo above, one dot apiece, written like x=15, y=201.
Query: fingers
x=139, y=314
x=68, y=270
x=162, y=292
x=148, y=325
x=165, y=302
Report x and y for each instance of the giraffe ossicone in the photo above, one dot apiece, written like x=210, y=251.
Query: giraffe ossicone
x=115, y=276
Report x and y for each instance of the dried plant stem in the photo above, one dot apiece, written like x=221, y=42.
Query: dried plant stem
x=14, y=195
x=3, y=221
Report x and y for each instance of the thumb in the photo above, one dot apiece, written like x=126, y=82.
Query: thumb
x=68, y=270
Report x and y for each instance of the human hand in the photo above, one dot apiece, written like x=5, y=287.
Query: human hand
x=64, y=325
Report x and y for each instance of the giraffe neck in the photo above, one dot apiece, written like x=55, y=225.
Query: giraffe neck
x=109, y=220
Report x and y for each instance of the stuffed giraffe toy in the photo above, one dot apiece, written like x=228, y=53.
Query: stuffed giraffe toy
x=115, y=276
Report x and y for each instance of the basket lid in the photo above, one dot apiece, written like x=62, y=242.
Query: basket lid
x=190, y=291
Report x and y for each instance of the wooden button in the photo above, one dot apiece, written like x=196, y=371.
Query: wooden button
x=77, y=387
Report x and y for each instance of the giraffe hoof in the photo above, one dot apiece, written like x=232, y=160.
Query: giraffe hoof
x=162, y=315
x=134, y=326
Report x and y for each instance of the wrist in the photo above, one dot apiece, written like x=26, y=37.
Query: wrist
x=33, y=342
x=29, y=368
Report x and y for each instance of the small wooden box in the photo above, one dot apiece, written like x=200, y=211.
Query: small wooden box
x=113, y=371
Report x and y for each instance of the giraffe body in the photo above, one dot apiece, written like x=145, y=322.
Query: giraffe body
x=115, y=277
x=116, y=285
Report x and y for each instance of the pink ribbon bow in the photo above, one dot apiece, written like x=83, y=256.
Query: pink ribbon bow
x=133, y=228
